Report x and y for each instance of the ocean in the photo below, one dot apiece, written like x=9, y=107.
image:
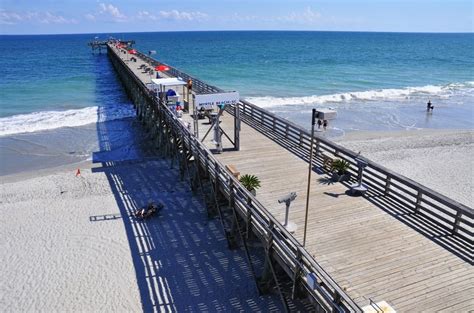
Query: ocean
x=55, y=94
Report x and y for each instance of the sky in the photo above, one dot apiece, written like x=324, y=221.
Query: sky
x=105, y=16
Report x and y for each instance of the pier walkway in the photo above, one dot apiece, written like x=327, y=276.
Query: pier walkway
x=400, y=243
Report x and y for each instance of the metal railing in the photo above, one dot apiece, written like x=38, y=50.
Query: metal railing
x=284, y=246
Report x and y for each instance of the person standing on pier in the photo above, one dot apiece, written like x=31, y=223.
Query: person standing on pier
x=190, y=88
x=190, y=84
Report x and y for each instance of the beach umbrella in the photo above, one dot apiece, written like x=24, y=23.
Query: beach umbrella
x=162, y=68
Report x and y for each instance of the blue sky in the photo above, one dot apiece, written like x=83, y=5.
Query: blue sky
x=87, y=16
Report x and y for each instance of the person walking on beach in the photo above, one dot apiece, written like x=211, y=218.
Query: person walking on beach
x=319, y=124
x=325, y=124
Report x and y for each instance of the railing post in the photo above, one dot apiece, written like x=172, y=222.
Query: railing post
x=206, y=163
x=249, y=218
x=457, y=221
x=296, y=273
x=235, y=228
x=231, y=194
x=190, y=150
x=418, y=201
x=237, y=126
x=388, y=183
x=184, y=156
x=216, y=181
x=337, y=302
x=266, y=277
x=172, y=145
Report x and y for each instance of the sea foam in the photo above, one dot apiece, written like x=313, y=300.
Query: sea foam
x=369, y=95
x=38, y=121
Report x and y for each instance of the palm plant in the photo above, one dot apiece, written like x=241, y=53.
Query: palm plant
x=340, y=166
x=250, y=182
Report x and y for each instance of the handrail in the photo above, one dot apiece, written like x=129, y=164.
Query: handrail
x=333, y=293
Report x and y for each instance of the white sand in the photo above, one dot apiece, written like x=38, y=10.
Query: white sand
x=53, y=257
x=58, y=254
x=439, y=159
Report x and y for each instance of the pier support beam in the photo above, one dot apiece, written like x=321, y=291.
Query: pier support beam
x=237, y=127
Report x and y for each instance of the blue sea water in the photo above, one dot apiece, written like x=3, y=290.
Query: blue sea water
x=54, y=85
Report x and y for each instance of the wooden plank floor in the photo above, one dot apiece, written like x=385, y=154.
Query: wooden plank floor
x=367, y=251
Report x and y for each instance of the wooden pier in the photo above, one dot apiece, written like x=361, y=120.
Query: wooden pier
x=401, y=242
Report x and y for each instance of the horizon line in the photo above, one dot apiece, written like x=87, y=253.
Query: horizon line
x=245, y=30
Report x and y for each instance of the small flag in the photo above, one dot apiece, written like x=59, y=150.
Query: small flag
x=78, y=173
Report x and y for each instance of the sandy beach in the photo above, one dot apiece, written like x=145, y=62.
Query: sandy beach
x=70, y=244
x=439, y=159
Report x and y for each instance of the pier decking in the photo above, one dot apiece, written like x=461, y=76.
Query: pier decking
x=391, y=245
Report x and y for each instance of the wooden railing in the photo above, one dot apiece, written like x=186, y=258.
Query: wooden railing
x=447, y=214
x=298, y=262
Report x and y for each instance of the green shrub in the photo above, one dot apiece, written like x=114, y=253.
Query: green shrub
x=340, y=166
x=251, y=182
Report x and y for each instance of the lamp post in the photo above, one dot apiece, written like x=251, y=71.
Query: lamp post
x=310, y=169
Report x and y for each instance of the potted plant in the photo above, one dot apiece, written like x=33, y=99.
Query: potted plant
x=340, y=170
x=250, y=182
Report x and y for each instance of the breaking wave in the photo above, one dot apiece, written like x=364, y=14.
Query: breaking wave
x=38, y=121
x=369, y=95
